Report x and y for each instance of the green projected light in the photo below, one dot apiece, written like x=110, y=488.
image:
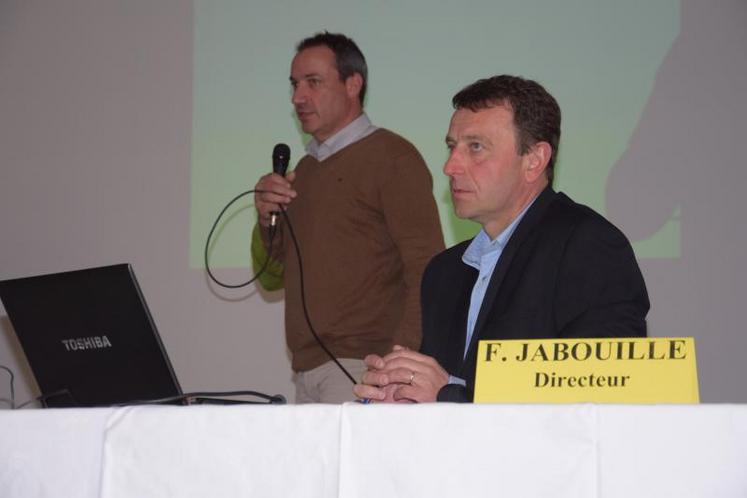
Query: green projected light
x=598, y=58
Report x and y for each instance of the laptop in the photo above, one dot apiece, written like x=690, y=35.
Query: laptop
x=89, y=337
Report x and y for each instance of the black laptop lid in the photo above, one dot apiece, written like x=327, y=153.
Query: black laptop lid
x=89, y=333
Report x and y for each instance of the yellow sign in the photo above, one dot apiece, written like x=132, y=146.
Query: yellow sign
x=616, y=370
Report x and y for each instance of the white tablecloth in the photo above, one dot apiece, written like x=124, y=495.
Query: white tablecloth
x=353, y=450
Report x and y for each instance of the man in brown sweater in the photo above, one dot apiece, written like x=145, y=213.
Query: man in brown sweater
x=361, y=207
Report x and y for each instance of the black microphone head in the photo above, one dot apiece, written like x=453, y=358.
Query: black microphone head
x=280, y=157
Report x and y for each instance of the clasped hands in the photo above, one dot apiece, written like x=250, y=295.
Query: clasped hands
x=402, y=376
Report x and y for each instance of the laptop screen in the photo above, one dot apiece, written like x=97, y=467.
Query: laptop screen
x=89, y=337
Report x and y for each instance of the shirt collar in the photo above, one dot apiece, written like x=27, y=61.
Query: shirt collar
x=357, y=129
x=482, y=246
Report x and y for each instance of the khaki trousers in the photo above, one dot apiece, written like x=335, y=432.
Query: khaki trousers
x=326, y=383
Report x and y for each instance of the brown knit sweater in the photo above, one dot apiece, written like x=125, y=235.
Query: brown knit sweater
x=366, y=224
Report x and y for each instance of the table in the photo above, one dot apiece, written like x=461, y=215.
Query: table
x=354, y=450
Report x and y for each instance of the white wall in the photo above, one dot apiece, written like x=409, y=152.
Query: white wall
x=95, y=126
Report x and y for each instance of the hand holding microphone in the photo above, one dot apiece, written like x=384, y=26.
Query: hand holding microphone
x=275, y=188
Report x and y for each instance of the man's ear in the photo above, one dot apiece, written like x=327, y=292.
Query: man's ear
x=536, y=160
x=354, y=84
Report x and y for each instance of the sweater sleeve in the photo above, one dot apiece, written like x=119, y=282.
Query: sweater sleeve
x=272, y=277
x=412, y=220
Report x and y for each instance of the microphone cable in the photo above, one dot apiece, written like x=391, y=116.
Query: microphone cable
x=210, y=235
x=277, y=399
x=273, y=229
x=42, y=398
x=12, y=399
x=303, y=299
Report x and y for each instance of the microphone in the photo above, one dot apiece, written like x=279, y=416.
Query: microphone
x=280, y=158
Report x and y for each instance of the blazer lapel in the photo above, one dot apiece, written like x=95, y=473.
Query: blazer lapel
x=458, y=327
x=525, y=227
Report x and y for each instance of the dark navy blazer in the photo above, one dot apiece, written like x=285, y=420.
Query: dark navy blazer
x=565, y=272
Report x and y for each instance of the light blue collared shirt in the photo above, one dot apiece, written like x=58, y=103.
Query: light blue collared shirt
x=357, y=129
x=483, y=255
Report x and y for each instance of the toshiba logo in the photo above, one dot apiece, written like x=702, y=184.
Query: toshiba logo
x=83, y=343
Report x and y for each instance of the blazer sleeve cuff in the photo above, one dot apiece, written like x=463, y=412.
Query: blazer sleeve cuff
x=454, y=393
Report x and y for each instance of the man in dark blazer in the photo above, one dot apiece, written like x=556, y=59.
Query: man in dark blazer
x=541, y=267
